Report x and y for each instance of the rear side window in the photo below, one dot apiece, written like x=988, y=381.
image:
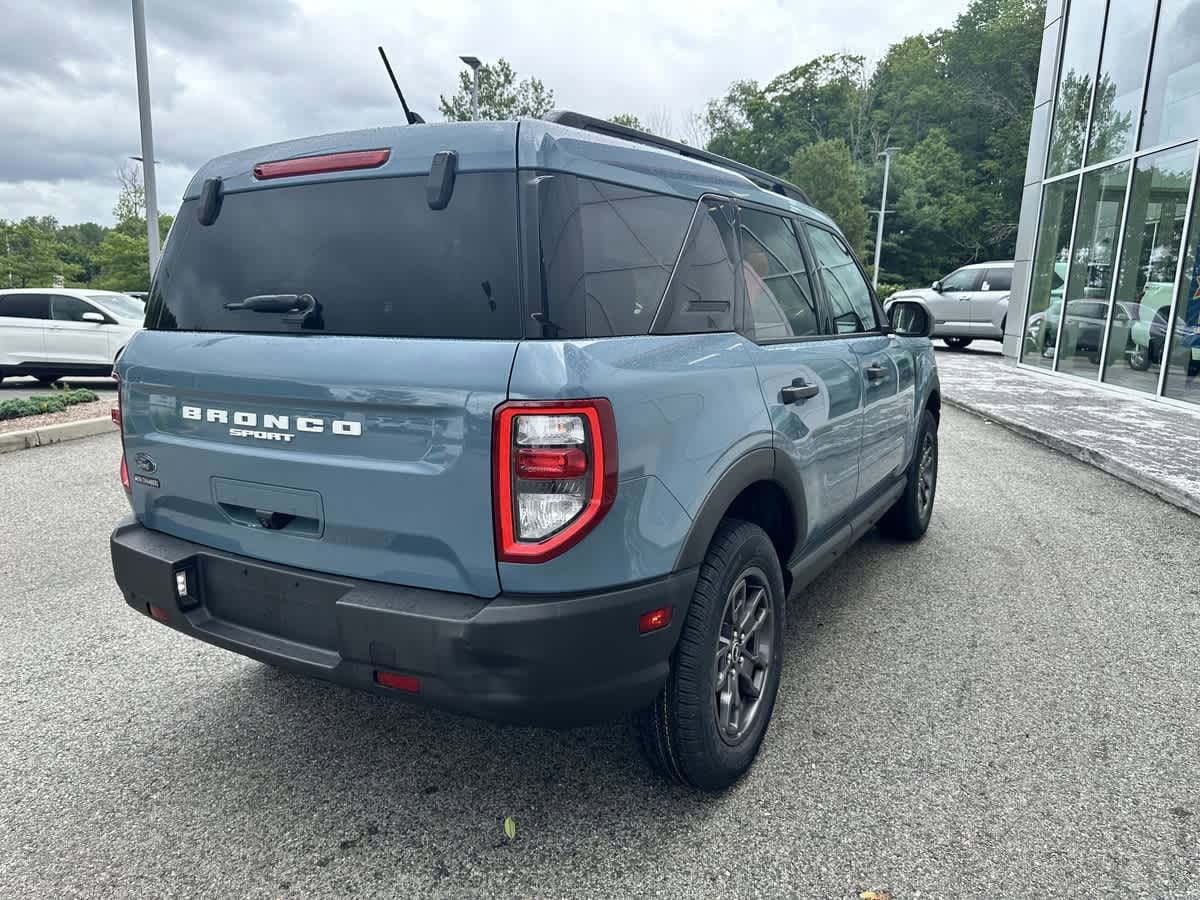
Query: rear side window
x=848, y=292
x=998, y=280
x=703, y=292
x=778, y=293
x=25, y=306
x=600, y=254
x=374, y=258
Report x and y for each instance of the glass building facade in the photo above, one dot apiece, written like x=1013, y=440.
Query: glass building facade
x=1108, y=247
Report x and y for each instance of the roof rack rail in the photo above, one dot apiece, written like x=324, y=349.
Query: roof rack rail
x=602, y=126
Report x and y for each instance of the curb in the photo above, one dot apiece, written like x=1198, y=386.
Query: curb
x=1088, y=455
x=54, y=434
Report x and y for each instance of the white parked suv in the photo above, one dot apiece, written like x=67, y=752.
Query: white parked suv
x=53, y=332
x=968, y=304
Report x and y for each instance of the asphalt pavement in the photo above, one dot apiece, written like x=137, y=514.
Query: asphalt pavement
x=24, y=386
x=1007, y=709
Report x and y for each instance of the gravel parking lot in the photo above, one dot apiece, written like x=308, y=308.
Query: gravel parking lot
x=1007, y=709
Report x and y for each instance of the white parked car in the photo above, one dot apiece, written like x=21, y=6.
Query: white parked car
x=50, y=333
x=968, y=304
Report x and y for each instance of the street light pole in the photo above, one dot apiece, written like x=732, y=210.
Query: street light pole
x=887, y=155
x=474, y=63
x=143, y=86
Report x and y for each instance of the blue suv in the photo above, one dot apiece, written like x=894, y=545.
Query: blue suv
x=540, y=421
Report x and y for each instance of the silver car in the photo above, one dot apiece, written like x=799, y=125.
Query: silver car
x=968, y=304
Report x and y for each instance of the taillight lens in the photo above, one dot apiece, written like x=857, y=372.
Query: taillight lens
x=119, y=422
x=556, y=475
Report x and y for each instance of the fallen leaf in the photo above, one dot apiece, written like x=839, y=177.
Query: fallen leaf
x=510, y=830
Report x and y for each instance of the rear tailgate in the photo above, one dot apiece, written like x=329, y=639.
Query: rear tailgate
x=378, y=449
x=322, y=358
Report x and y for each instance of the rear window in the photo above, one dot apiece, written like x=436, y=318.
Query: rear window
x=998, y=279
x=375, y=259
x=25, y=306
x=599, y=255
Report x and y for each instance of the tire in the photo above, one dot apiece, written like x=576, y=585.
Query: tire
x=1139, y=359
x=909, y=516
x=47, y=380
x=693, y=732
x=1193, y=369
x=958, y=343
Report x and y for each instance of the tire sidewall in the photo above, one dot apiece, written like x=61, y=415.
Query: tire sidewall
x=928, y=428
x=755, y=549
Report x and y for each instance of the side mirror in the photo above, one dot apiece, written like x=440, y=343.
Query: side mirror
x=910, y=318
x=936, y=286
x=93, y=317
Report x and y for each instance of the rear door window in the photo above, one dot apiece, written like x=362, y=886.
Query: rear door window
x=997, y=280
x=370, y=253
x=25, y=306
x=704, y=289
x=600, y=255
x=779, y=296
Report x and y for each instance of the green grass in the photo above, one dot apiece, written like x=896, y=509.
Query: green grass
x=20, y=407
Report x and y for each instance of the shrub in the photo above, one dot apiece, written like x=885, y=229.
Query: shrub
x=44, y=403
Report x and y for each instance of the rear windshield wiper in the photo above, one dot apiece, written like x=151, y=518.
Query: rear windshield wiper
x=276, y=303
x=297, y=309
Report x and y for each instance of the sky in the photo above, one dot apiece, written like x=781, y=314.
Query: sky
x=231, y=74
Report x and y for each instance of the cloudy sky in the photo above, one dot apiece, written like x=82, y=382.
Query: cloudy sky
x=229, y=74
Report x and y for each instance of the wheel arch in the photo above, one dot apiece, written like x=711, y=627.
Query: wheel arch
x=758, y=488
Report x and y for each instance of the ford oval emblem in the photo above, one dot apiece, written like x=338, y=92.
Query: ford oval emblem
x=145, y=462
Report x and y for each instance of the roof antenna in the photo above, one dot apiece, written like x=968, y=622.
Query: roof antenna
x=412, y=117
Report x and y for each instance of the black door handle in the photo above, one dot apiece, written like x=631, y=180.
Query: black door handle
x=875, y=371
x=799, y=390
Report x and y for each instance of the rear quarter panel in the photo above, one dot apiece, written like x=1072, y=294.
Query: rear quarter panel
x=686, y=408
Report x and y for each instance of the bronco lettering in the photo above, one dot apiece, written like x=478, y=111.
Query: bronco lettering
x=273, y=427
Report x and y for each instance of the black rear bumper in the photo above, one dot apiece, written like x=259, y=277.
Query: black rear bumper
x=554, y=660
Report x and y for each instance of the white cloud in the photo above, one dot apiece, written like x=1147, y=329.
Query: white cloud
x=228, y=74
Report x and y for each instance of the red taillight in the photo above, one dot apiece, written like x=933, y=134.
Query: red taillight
x=319, y=165
x=555, y=475
x=654, y=620
x=117, y=420
x=551, y=464
x=406, y=683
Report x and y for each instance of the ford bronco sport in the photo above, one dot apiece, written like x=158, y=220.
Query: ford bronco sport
x=540, y=421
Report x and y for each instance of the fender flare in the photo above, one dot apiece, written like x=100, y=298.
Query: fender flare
x=758, y=465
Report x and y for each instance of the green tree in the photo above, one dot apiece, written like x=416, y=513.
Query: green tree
x=963, y=95
x=824, y=99
x=834, y=182
x=501, y=95
x=628, y=120
x=123, y=257
x=28, y=253
x=77, y=246
x=939, y=219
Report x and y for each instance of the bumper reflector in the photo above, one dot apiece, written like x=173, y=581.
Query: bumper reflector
x=407, y=683
x=157, y=612
x=655, y=620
